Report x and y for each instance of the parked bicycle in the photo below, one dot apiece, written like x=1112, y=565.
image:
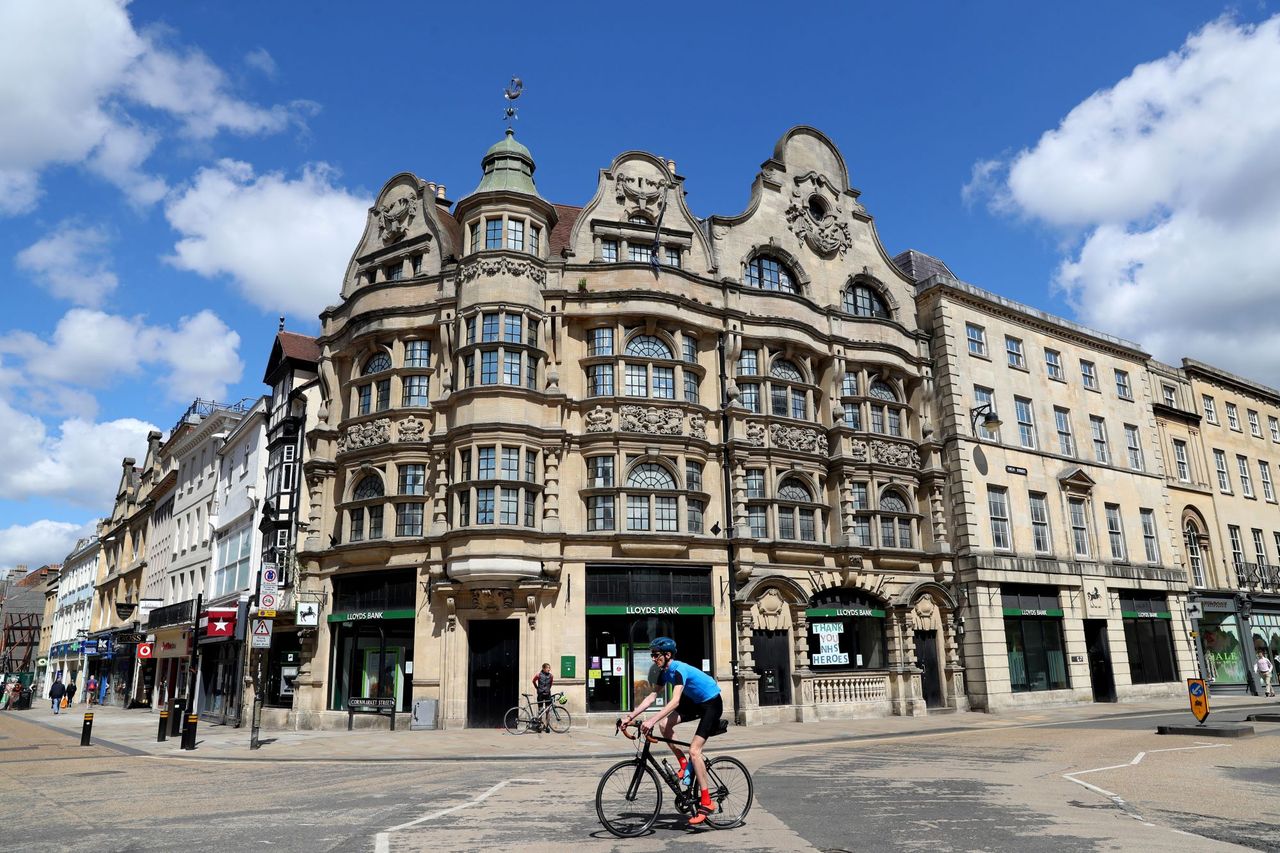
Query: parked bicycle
x=629, y=797
x=552, y=716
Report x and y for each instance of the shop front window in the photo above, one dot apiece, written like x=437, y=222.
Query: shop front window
x=1148, y=637
x=846, y=631
x=373, y=627
x=1224, y=656
x=1033, y=638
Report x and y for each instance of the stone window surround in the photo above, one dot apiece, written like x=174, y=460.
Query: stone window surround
x=622, y=335
x=864, y=401
x=764, y=380
x=530, y=223
x=619, y=491
x=388, y=500
x=469, y=482
x=395, y=351
x=500, y=345
x=626, y=233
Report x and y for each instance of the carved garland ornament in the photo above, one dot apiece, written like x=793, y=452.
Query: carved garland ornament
x=409, y=429
x=755, y=434
x=798, y=438
x=827, y=235
x=891, y=453
x=367, y=434
x=599, y=419
x=697, y=426
x=498, y=266
x=394, y=219
x=652, y=420
x=492, y=599
x=641, y=191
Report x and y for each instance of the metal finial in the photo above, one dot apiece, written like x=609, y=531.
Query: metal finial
x=281, y=329
x=511, y=92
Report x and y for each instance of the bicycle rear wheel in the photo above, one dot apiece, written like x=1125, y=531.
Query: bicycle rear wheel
x=560, y=720
x=731, y=791
x=517, y=721
x=628, y=798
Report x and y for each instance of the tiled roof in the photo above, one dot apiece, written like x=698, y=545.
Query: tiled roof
x=450, y=225
x=299, y=347
x=918, y=266
x=564, y=227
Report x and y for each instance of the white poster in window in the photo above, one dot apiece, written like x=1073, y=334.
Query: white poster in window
x=611, y=651
x=619, y=666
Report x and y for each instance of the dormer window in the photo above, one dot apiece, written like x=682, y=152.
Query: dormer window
x=862, y=301
x=768, y=273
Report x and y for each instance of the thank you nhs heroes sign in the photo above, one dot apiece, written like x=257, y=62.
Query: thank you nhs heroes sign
x=829, y=653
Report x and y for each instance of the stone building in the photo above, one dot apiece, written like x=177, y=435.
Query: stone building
x=72, y=613
x=1068, y=572
x=550, y=433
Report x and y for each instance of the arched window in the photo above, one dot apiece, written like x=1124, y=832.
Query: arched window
x=788, y=390
x=895, y=521
x=797, y=512
x=645, y=379
x=863, y=301
x=645, y=509
x=375, y=395
x=882, y=408
x=648, y=346
x=783, y=369
x=1194, y=555
x=846, y=631
x=768, y=273
x=644, y=373
x=366, y=519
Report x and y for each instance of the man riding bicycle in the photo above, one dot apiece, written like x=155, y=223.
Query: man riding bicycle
x=695, y=696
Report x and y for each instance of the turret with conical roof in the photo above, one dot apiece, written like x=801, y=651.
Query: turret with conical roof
x=508, y=166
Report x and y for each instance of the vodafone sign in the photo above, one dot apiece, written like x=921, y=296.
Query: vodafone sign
x=145, y=651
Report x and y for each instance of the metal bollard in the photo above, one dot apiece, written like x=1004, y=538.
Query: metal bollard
x=189, y=731
x=86, y=732
x=163, y=731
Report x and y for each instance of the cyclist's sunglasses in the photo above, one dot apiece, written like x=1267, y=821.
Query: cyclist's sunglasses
x=656, y=655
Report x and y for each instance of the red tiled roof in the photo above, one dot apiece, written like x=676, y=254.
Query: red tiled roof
x=564, y=227
x=299, y=347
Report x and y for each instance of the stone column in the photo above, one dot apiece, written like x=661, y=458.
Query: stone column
x=440, y=492
x=551, y=494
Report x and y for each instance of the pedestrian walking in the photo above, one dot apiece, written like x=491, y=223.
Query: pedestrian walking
x=56, y=691
x=1263, y=667
x=71, y=692
x=91, y=690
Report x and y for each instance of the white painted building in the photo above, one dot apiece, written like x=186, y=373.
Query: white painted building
x=71, y=617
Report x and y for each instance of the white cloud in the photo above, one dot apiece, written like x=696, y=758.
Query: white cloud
x=70, y=73
x=285, y=242
x=80, y=463
x=71, y=263
x=196, y=358
x=39, y=543
x=262, y=61
x=1172, y=180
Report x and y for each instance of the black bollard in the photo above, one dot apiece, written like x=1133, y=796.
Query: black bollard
x=86, y=733
x=189, y=731
x=163, y=731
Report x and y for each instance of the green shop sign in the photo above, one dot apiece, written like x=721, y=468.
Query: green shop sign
x=1052, y=611
x=1146, y=614
x=649, y=610
x=843, y=611
x=369, y=615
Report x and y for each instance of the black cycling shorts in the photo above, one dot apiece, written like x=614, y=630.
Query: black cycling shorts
x=707, y=713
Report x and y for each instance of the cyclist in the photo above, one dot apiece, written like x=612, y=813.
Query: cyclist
x=695, y=696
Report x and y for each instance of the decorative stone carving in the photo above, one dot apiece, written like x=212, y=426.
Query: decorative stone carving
x=652, y=420
x=531, y=610
x=827, y=235
x=498, y=266
x=410, y=429
x=394, y=218
x=451, y=612
x=927, y=616
x=755, y=434
x=892, y=453
x=367, y=434
x=640, y=191
x=492, y=598
x=599, y=419
x=697, y=426
x=771, y=613
x=858, y=449
x=798, y=438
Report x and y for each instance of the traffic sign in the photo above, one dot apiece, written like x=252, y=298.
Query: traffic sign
x=1198, y=693
x=268, y=600
x=270, y=574
x=267, y=614
x=261, y=633
x=144, y=650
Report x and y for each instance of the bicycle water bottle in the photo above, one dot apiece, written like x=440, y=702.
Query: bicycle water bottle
x=669, y=773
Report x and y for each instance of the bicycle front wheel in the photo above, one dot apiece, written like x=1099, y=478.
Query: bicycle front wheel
x=560, y=721
x=628, y=799
x=517, y=720
x=731, y=791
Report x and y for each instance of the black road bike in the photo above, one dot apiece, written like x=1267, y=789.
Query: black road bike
x=629, y=796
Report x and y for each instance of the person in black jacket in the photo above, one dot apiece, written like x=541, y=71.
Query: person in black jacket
x=56, y=691
x=71, y=692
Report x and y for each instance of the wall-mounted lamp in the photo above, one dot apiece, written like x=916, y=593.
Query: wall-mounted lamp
x=987, y=412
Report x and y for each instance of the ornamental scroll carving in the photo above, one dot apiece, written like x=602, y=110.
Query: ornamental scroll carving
x=890, y=453
x=755, y=434
x=798, y=438
x=697, y=426
x=641, y=191
x=367, y=434
x=394, y=218
x=858, y=449
x=652, y=420
x=410, y=429
x=492, y=599
x=599, y=419
x=826, y=234
x=498, y=266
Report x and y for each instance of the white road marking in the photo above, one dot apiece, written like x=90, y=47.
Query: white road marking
x=1137, y=759
x=382, y=841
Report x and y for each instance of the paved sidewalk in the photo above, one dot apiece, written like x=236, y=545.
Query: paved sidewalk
x=134, y=733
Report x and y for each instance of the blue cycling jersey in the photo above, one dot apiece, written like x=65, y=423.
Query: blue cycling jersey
x=698, y=686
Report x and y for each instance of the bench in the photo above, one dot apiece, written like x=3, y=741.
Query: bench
x=382, y=706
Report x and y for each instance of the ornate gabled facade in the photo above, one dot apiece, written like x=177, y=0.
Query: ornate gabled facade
x=550, y=434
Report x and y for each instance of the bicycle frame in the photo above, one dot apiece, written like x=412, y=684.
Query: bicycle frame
x=683, y=799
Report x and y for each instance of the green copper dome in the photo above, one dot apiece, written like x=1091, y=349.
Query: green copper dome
x=508, y=166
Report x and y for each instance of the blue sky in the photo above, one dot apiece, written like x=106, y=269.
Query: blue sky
x=175, y=175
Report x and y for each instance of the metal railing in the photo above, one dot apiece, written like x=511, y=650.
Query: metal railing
x=200, y=409
x=171, y=614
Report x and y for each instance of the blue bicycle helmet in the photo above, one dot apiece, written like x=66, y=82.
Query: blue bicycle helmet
x=663, y=644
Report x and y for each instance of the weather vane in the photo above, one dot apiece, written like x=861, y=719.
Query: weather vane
x=512, y=92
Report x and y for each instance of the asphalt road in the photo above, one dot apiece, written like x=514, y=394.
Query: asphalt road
x=1096, y=786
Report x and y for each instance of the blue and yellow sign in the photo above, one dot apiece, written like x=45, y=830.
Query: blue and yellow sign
x=1198, y=693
